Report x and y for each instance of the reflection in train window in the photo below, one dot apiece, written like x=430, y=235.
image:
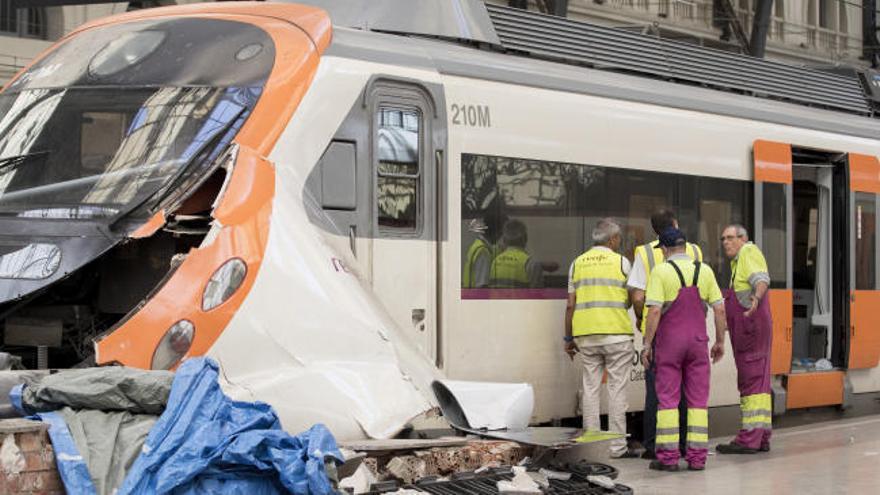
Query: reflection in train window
x=775, y=239
x=866, y=242
x=398, y=177
x=559, y=203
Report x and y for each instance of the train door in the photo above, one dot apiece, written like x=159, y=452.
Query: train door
x=815, y=219
x=404, y=247
x=864, y=332
x=773, y=234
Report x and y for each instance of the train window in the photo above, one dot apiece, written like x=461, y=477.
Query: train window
x=775, y=232
x=866, y=241
x=557, y=205
x=398, y=170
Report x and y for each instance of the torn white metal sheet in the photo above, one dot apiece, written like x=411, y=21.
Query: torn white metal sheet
x=330, y=352
x=494, y=406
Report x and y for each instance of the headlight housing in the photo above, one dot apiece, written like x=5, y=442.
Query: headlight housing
x=174, y=345
x=223, y=283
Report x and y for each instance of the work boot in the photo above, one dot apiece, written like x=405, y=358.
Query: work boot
x=696, y=467
x=734, y=448
x=659, y=466
x=649, y=454
x=765, y=447
x=627, y=454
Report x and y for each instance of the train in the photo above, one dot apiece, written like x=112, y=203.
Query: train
x=292, y=189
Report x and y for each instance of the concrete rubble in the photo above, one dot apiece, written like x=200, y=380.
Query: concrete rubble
x=443, y=461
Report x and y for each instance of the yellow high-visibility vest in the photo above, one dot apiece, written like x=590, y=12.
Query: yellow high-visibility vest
x=692, y=250
x=601, y=297
x=478, y=248
x=509, y=269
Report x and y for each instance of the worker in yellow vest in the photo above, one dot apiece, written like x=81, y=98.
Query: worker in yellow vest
x=514, y=268
x=645, y=258
x=751, y=336
x=599, y=330
x=477, y=262
x=677, y=348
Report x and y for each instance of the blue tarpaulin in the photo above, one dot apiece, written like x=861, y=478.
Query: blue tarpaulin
x=205, y=442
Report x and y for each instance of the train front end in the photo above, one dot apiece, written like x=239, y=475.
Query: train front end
x=134, y=195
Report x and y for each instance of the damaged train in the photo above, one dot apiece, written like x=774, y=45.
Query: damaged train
x=292, y=188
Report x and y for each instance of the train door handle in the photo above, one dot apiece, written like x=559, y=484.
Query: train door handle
x=418, y=319
x=788, y=334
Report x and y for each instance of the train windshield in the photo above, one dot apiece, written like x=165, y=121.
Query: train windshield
x=113, y=117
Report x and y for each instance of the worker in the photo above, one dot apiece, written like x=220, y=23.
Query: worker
x=514, y=267
x=676, y=344
x=645, y=258
x=598, y=328
x=751, y=333
x=478, y=260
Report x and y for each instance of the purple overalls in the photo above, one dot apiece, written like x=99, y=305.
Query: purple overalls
x=681, y=357
x=752, y=339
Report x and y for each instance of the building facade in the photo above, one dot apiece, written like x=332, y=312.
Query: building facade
x=812, y=32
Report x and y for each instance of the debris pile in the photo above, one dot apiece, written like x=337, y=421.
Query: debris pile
x=510, y=481
x=443, y=461
x=122, y=431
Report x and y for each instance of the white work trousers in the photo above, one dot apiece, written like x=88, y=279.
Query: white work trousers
x=616, y=359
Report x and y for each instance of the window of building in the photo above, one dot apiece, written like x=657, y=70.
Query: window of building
x=143, y=4
x=560, y=203
x=398, y=170
x=827, y=11
x=27, y=22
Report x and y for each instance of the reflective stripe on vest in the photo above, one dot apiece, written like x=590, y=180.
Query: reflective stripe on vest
x=601, y=297
x=692, y=250
x=509, y=269
x=477, y=248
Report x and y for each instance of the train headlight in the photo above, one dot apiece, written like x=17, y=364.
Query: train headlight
x=174, y=344
x=223, y=283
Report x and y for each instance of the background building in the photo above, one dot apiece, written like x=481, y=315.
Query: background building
x=812, y=32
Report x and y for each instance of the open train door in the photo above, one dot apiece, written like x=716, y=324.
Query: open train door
x=864, y=335
x=773, y=234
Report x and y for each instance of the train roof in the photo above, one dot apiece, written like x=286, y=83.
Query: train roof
x=470, y=39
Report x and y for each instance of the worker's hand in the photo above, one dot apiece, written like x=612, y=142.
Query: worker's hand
x=753, y=307
x=571, y=349
x=647, y=357
x=717, y=352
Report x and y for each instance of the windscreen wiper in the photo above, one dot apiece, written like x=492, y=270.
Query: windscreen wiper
x=16, y=160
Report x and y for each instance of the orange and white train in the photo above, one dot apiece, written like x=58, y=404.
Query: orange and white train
x=292, y=190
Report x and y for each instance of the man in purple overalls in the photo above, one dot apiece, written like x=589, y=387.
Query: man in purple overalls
x=751, y=335
x=676, y=341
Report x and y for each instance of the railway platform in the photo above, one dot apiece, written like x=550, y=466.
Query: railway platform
x=835, y=457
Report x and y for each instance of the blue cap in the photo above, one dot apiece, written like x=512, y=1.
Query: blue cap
x=672, y=237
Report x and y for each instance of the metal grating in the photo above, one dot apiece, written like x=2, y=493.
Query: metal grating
x=486, y=484
x=560, y=39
